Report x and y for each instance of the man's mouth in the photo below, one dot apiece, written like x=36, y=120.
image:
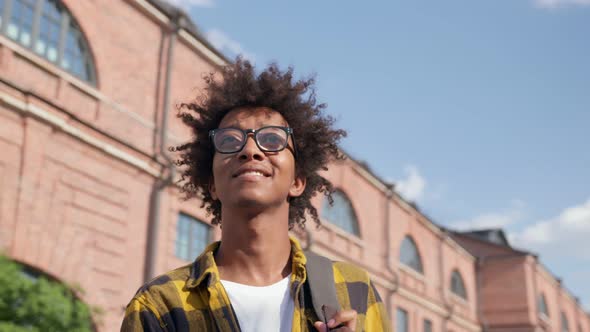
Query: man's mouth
x=251, y=173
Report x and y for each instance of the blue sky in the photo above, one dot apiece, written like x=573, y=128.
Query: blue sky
x=478, y=110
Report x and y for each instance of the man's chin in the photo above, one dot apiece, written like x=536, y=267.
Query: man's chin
x=250, y=203
x=255, y=202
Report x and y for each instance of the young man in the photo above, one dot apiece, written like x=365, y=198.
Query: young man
x=259, y=142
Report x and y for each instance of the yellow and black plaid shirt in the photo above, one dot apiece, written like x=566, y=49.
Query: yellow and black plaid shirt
x=191, y=298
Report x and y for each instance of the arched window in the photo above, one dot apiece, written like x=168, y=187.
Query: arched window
x=409, y=254
x=564, y=324
x=47, y=28
x=543, y=305
x=192, y=237
x=457, y=285
x=341, y=213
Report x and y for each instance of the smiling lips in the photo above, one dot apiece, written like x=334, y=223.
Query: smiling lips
x=253, y=173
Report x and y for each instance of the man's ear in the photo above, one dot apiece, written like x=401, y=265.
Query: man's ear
x=297, y=186
x=212, y=190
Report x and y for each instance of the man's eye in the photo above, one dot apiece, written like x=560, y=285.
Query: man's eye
x=271, y=138
x=272, y=141
x=228, y=139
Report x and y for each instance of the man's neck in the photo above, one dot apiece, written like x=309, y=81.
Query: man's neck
x=256, y=250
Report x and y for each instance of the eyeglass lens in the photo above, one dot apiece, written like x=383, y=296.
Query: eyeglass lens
x=229, y=140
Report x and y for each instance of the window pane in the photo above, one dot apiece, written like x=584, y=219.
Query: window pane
x=543, y=305
x=457, y=285
x=52, y=53
x=25, y=38
x=48, y=38
x=27, y=15
x=72, y=41
x=40, y=47
x=78, y=63
x=12, y=30
x=21, y=22
x=427, y=326
x=65, y=62
x=78, y=67
x=199, y=238
x=1, y=12
x=182, y=237
x=401, y=320
x=341, y=213
x=192, y=236
x=51, y=10
x=53, y=32
x=564, y=323
x=409, y=255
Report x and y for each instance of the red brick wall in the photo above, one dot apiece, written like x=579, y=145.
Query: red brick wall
x=76, y=212
x=504, y=297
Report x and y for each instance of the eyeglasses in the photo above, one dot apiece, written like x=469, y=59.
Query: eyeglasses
x=268, y=139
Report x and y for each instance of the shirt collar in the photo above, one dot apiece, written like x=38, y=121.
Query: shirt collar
x=204, y=270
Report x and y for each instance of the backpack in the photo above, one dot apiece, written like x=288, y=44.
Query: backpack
x=320, y=276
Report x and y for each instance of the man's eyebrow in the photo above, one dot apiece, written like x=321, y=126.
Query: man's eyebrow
x=231, y=125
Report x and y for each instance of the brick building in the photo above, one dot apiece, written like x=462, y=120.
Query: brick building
x=87, y=90
x=517, y=293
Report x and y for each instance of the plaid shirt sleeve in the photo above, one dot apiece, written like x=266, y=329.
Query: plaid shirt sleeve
x=356, y=291
x=376, y=317
x=139, y=317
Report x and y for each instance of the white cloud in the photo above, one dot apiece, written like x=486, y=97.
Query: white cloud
x=187, y=4
x=223, y=42
x=500, y=219
x=411, y=187
x=551, y=4
x=566, y=234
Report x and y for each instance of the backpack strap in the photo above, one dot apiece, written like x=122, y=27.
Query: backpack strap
x=320, y=277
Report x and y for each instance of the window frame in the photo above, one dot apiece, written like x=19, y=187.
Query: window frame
x=404, y=312
x=420, y=265
x=426, y=322
x=565, y=326
x=462, y=292
x=67, y=23
x=355, y=228
x=191, y=240
x=542, y=300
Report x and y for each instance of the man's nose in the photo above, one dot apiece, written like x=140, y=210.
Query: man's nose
x=251, y=150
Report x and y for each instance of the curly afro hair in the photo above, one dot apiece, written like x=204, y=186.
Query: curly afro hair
x=240, y=86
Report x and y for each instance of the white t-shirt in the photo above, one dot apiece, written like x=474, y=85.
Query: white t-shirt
x=266, y=308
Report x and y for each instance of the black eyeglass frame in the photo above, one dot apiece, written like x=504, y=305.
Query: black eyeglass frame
x=246, y=132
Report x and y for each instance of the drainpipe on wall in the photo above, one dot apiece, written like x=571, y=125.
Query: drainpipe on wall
x=389, y=193
x=559, y=300
x=479, y=265
x=168, y=171
x=536, y=292
x=448, y=306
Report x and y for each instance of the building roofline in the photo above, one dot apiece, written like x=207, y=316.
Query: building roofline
x=388, y=187
x=516, y=252
x=560, y=283
x=167, y=12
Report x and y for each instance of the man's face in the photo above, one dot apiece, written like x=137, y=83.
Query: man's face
x=251, y=177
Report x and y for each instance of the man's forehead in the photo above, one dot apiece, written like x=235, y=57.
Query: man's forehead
x=259, y=116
